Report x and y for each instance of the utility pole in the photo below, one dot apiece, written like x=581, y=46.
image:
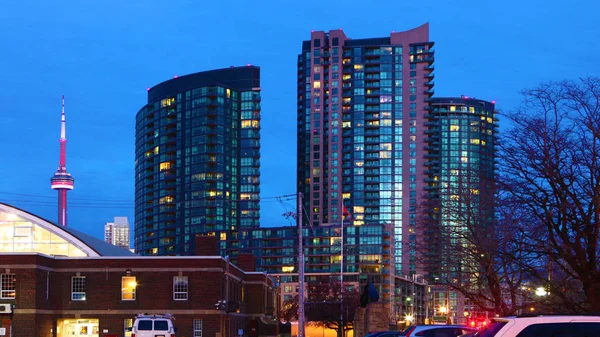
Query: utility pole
x=300, y=270
x=342, y=277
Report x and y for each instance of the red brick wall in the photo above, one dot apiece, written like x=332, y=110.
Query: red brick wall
x=207, y=245
x=246, y=262
x=37, y=316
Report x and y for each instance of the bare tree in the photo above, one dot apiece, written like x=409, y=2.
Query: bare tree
x=550, y=169
x=324, y=307
x=473, y=245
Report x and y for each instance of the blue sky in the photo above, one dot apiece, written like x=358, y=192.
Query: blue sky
x=102, y=55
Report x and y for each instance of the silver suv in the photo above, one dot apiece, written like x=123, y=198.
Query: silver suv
x=540, y=326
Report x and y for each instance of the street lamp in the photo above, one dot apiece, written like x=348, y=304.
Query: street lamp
x=541, y=291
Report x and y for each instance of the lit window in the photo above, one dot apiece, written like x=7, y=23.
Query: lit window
x=78, y=288
x=128, y=286
x=385, y=154
x=358, y=67
x=317, y=84
x=180, y=288
x=7, y=286
x=454, y=127
x=197, y=328
x=475, y=141
x=452, y=108
x=166, y=200
x=165, y=166
x=128, y=324
x=167, y=102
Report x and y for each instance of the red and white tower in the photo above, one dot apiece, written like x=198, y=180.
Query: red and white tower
x=62, y=181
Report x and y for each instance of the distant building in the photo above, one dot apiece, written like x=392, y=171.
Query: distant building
x=197, y=159
x=117, y=232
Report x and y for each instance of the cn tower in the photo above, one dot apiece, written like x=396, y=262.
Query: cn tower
x=62, y=181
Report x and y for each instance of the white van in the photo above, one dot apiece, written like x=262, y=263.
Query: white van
x=153, y=326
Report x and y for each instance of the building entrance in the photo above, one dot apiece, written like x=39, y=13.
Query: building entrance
x=87, y=327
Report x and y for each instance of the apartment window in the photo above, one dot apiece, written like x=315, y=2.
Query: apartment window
x=128, y=285
x=180, y=288
x=197, y=328
x=78, y=288
x=7, y=286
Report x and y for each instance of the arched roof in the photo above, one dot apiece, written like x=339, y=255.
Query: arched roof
x=21, y=231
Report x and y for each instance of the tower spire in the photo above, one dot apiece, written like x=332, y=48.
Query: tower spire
x=62, y=181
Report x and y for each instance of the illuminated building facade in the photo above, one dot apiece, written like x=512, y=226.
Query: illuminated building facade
x=361, y=108
x=197, y=159
x=117, y=232
x=460, y=174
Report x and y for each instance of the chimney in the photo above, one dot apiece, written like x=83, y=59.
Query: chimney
x=245, y=261
x=206, y=245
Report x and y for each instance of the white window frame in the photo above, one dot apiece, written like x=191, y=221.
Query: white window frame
x=76, y=289
x=8, y=289
x=124, y=285
x=180, y=288
x=197, y=328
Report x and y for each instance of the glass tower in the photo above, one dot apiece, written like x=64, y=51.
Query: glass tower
x=197, y=159
x=461, y=167
x=361, y=107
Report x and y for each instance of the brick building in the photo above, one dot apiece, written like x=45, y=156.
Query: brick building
x=87, y=294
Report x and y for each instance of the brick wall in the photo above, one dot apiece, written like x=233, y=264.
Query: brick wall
x=37, y=315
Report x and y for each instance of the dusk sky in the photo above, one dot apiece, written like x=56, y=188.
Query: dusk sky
x=102, y=55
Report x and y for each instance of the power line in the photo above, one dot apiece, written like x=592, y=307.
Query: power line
x=273, y=198
x=70, y=198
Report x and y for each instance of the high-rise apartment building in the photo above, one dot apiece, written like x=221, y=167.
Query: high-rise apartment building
x=117, y=232
x=361, y=108
x=197, y=159
x=460, y=172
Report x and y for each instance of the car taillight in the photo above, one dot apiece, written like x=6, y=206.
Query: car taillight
x=132, y=335
x=172, y=335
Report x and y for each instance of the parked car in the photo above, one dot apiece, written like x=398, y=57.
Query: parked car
x=437, y=330
x=153, y=325
x=547, y=325
x=385, y=334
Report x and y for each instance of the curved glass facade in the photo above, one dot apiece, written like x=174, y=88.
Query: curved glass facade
x=21, y=232
x=197, y=159
x=461, y=163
